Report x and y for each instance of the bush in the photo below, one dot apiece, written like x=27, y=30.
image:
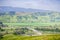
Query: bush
x=1, y=36
x=19, y=32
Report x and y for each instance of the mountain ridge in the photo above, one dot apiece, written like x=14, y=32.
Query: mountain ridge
x=17, y=9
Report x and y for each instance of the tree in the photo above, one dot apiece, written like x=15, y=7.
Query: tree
x=1, y=23
x=1, y=36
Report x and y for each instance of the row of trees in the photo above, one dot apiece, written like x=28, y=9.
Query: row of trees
x=1, y=35
x=48, y=29
x=2, y=30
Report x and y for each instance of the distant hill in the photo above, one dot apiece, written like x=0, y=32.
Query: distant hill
x=27, y=15
x=17, y=9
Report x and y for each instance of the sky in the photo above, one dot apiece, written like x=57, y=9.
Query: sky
x=53, y=5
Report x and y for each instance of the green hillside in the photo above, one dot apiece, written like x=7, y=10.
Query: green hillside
x=40, y=17
x=36, y=18
x=41, y=37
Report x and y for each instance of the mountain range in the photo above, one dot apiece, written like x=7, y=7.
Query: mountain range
x=17, y=9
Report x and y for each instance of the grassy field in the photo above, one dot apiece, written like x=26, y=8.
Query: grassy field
x=41, y=37
x=34, y=24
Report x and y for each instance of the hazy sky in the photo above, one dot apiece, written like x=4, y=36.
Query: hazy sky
x=35, y=4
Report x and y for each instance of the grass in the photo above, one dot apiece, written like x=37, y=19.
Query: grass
x=33, y=24
x=41, y=37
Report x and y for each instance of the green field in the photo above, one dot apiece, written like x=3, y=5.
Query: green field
x=41, y=37
x=34, y=24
